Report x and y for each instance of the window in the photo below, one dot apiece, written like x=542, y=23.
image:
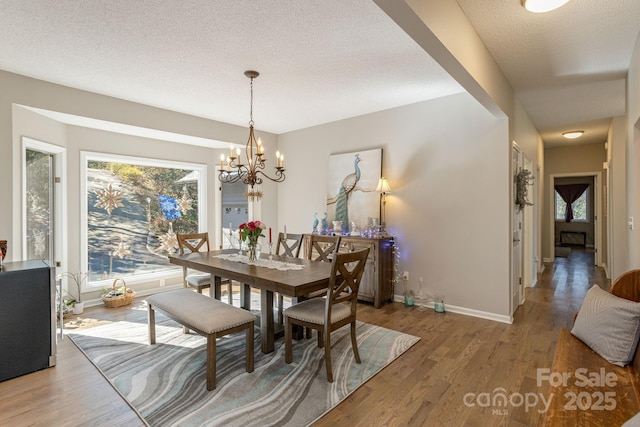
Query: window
x=580, y=207
x=134, y=208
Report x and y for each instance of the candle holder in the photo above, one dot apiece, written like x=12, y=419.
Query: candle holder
x=270, y=255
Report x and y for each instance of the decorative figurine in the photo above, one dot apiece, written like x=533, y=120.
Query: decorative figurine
x=325, y=224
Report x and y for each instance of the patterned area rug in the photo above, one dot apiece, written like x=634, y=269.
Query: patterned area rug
x=166, y=383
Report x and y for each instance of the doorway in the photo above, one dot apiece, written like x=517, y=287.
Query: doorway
x=585, y=231
x=231, y=209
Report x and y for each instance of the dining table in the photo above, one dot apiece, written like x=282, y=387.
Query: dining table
x=303, y=277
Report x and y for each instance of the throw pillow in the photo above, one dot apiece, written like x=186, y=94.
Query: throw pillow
x=609, y=325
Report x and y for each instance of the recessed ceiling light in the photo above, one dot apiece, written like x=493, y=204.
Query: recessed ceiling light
x=573, y=134
x=540, y=6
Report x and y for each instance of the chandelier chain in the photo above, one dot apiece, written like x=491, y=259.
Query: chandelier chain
x=251, y=105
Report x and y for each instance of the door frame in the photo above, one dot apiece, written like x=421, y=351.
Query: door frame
x=597, y=212
x=59, y=155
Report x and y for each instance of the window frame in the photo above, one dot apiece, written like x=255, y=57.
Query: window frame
x=85, y=157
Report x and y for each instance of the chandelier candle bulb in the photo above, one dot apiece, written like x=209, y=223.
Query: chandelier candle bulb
x=221, y=161
x=239, y=157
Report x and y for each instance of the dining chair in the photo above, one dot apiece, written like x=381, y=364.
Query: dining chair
x=287, y=246
x=338, y=309
x=194, y=242
x=322, y=248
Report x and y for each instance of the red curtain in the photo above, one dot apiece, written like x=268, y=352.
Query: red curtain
x=570, y=193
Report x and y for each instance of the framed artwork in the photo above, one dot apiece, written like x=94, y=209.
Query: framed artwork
x=351, y=189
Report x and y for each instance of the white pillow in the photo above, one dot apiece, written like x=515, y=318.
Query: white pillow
x=610, y=325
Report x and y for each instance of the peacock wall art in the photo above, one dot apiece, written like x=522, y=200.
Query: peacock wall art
x=351, y=195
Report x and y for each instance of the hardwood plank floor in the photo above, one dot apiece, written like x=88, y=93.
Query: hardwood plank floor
x=456, y=355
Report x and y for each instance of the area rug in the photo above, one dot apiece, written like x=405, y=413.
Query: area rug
x=562, y=251
x=166, y=383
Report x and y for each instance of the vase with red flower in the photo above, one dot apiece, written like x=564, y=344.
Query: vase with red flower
x=250, y=232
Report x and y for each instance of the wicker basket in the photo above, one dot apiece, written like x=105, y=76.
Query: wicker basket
x=112, y=299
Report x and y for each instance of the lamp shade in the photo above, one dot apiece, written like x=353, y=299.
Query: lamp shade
x=383, y=186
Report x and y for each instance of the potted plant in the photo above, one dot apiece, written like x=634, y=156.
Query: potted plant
x=78, y=279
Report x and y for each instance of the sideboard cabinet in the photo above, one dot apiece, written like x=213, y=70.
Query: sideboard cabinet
x=377, y=280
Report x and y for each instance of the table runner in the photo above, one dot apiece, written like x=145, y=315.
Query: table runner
x=262, y=262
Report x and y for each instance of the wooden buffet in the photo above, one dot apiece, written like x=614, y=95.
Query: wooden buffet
x=377, y=280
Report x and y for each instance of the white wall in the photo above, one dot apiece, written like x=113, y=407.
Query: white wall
x=618, y=259
x=447, y=162
x=633, y=153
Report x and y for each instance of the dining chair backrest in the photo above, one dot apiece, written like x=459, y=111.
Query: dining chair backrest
x=289, y=246
x=192, y=242
x=323, y=248
x=347, y=269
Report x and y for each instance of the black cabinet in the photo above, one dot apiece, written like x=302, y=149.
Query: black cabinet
x=27, y=318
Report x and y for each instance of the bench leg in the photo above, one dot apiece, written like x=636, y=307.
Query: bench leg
x=152, y=325
x=211, y=361
x=249, y=354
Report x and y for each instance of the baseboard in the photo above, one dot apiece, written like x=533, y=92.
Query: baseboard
x=547, y=259
x=462, y=310
x=606, y=270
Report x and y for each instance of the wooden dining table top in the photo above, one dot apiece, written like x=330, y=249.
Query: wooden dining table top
x=295, y=283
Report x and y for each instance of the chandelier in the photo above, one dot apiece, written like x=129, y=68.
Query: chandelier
x=251, y=169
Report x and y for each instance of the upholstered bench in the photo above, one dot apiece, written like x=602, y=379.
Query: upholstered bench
x=208, y=317
x=587, y=390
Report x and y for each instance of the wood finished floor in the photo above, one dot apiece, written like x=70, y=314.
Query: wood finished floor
x=425, y=387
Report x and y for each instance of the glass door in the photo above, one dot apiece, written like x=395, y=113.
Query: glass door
x=39, y=186
x=235, y=211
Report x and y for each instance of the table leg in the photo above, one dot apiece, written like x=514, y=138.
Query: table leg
x=266, y=320
x=217, y=285
x=245, y=296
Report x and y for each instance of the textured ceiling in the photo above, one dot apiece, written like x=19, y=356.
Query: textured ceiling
x=320, y=61
x=568, y=66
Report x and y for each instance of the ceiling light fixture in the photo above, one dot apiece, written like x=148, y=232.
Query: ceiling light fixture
x=250, y=172
x=573, y=134
x=541, y=6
